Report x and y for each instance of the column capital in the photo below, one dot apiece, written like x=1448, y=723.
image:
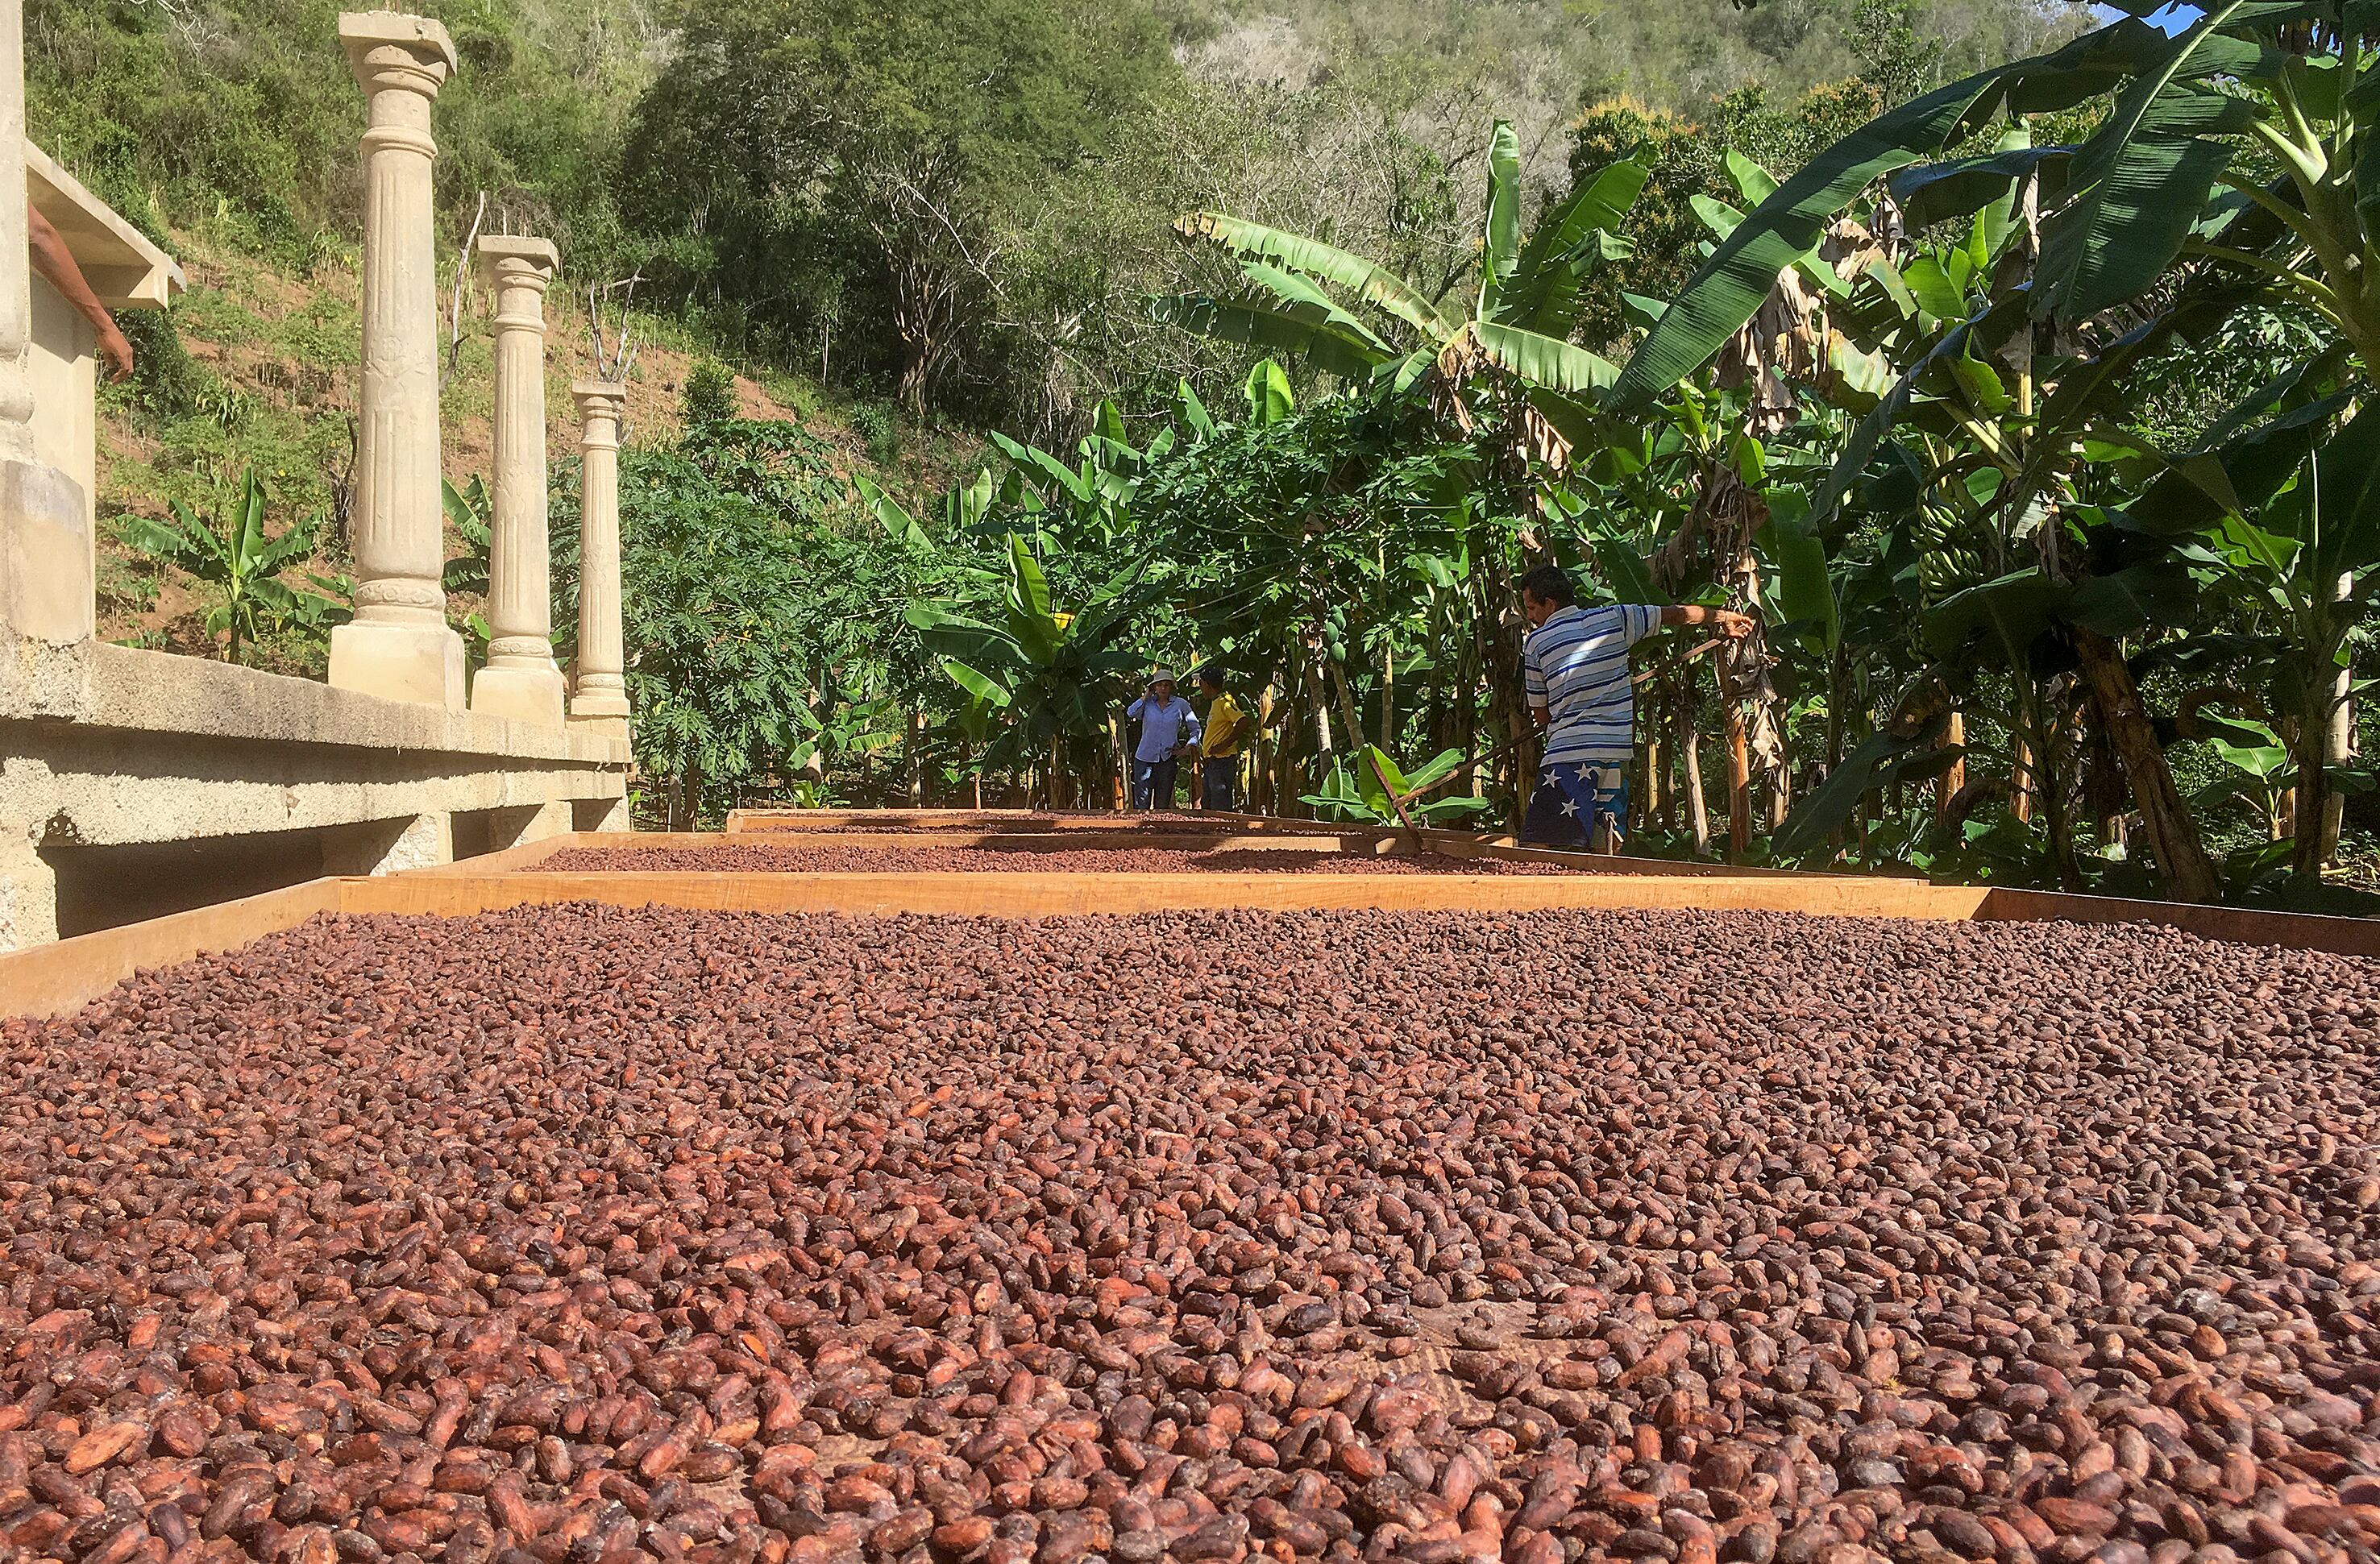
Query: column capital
x=391, y=50
x=600, y=396
x=509, y=263
x=601, y=401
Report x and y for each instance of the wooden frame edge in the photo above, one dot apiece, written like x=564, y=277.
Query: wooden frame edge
x=1100, y=892
x=63, y=976
x=2245, y=926
x=58, y=978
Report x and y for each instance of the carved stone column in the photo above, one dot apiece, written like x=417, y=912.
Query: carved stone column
x=600, y=700
x=399, y=644
x=521, y=679
x=45, y=584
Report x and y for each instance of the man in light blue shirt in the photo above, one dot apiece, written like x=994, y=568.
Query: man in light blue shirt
x=1575, y=665
x=1169, y=730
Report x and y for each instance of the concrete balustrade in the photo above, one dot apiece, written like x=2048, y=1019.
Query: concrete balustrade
x=600, y=702
x=521, y=679
x=399, y=644
x=134, y=782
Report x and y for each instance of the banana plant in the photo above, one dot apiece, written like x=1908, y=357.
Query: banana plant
x=1354, y=318
x=1051, y=671
x=2161, y=177
x=2279, y=507
x=1371, y=791
x=232, y=553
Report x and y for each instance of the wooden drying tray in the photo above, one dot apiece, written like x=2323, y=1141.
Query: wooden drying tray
x=61, y=978
x=770, y=823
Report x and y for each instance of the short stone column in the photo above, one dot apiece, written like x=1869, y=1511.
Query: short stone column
x=600, y=700
x=521, y=679
x=399, y=644
x=45, y=560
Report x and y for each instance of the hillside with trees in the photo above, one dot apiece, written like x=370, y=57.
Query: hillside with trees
x=2014, y=376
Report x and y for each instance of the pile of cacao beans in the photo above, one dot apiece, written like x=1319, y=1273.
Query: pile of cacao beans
x=738, y=857
x=584, y=1234
x=1162, y=822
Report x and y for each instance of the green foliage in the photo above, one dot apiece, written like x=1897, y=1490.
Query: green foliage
x=874, y=423
x=878, y=156
x=242, y=114
x=709, y=396
x=1369, y=791
x=232, y=553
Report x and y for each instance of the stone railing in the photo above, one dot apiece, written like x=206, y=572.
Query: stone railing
x=399, y=644
x=134, y=782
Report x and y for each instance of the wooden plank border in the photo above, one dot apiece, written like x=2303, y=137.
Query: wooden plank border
x=60, y=978
x=56, y=979
x=1077, y=894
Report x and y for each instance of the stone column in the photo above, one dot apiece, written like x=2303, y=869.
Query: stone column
x=45, y=581
x=399, y=644
x=520, y=680
x=601, y=702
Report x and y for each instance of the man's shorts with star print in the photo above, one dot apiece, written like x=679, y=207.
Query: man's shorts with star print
x=1569, y=798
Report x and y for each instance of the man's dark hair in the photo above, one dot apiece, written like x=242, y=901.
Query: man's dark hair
x=1551, y=583
x=1210, y=674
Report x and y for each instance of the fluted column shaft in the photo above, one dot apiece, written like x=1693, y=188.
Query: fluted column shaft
x=601, y=694
x=520, y=680
x=399, y=644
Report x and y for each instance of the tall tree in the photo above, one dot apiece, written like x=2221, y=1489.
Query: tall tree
x=787, y=136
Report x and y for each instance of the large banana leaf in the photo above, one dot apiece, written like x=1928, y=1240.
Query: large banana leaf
x=1032, y=618
x=1069, y=482
x=1270, y=398
x=1883, y=760
x=2347, y=491
x=1502, y=238
x=1544, y=293
x=1544, y=360
x=2156, y=592
x=987, y=690
x=1805, y=589
x=1276, y=325
x=1729, y=290
x=2017, y=606
x=2137, y=186
x=1938, y=192
x=899, y=523
x=1369, y=281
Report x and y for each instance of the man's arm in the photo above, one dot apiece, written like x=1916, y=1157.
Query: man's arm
x=56, y=263
x=1726, y=621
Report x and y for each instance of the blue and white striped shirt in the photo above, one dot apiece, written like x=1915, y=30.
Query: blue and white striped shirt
x=1576, y=666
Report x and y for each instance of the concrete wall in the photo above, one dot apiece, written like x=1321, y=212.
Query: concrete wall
x=133, y=783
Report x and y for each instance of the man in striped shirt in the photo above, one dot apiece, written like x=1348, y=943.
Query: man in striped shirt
x=1576, y=665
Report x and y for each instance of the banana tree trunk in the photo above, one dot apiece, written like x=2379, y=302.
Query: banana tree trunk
x=913, y=762
x=1739, y=782
x=1690, y=751
x=1947, y=786
x=2173, y=838
x=1346, y=698
x=2323, y=739
x=1649, y=797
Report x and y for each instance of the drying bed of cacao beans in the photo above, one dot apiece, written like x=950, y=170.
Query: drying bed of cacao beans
x=738, y=857
x=592, y=1235
x=896, y=820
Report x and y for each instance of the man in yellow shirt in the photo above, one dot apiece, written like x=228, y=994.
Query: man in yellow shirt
x=1220, y=745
